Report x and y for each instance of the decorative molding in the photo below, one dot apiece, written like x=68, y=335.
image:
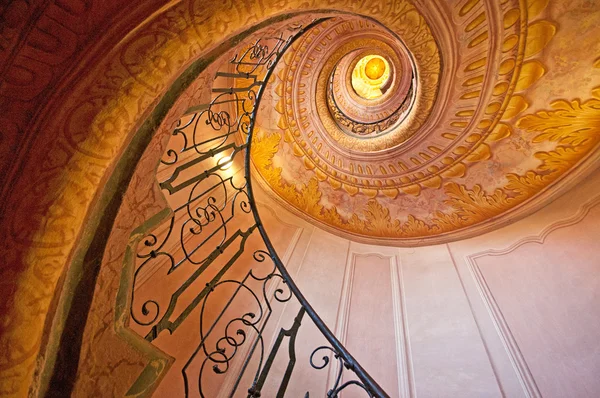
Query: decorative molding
x=547, y=195
x=523, y=372
x=509, y=342
x=406, y=383
x=485, y=345
x=376, y=197
x=582, y=212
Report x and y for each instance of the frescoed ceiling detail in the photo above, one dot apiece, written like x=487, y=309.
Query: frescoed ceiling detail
x=454, y=140
x=77, y=92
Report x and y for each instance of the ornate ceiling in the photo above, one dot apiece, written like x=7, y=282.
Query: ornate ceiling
x=484, y=105
x=507, y=92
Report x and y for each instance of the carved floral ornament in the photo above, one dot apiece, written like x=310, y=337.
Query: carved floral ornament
x=488, y=145
x=509, y=93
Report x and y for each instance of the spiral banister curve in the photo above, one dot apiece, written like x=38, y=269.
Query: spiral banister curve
x=349, y=362
x=204, y=200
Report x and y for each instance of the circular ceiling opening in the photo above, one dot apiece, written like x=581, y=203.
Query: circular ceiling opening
x=370, y=76
x=375, y=68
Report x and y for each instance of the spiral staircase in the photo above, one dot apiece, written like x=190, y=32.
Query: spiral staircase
x=139, y=260
x=207, y=234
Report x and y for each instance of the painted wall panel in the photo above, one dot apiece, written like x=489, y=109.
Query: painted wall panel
x=449, y=357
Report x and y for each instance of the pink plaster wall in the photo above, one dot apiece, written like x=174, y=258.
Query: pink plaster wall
x=401, y=312
x=534, y=287
x=549, y=296
x=510, y=313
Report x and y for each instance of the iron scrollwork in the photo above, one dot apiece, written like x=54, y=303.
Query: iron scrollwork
x=196, y=251
x=338, y=385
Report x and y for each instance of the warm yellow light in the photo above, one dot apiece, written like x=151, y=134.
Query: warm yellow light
x=375, y=68
x=370, y=75
x=225, y=162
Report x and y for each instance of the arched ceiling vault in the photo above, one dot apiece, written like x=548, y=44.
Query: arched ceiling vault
x=506, y=92
x=464, y=137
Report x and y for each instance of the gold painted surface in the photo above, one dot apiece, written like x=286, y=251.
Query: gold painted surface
x=74, y=148
x=451, y=191
x=419, y=40
x=572, y=124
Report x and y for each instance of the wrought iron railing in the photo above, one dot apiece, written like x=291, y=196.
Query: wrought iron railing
x=201, y=247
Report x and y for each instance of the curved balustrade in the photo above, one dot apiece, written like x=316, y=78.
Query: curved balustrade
x=213, y=216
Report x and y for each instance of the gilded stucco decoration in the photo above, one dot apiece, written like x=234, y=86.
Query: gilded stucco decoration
x=500, y=85
x=75, y=101
x=488, y=145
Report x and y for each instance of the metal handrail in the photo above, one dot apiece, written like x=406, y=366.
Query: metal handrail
x=205, y=209
x=348, y=360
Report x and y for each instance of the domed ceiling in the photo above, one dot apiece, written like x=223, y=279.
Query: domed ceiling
x=428, y=122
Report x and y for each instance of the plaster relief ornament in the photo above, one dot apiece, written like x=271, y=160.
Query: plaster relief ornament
x=418, y=131
x=490, y=109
